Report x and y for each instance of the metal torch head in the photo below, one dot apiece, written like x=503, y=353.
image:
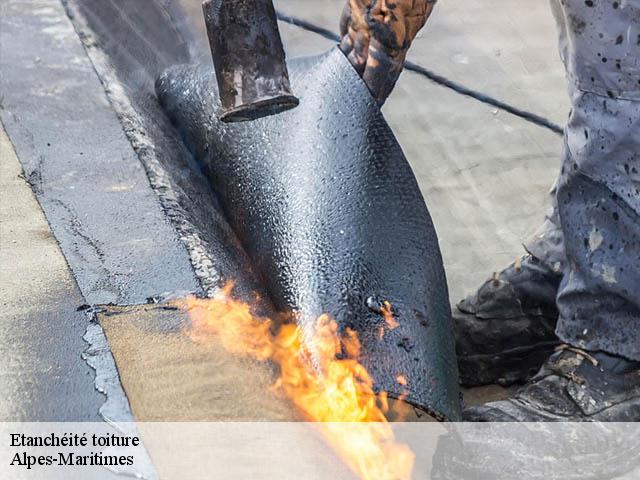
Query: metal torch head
x=249, y=59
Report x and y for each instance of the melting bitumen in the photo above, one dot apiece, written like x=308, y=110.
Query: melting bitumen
x=328, y=210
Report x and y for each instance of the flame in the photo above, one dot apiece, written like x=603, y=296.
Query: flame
x=343, y=392
x=387, y=313
x=386, y=310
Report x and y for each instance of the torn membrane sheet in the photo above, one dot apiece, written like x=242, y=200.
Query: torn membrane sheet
x=329, y=211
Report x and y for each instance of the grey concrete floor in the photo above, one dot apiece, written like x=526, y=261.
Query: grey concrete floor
x=105, y=237
x=42, y=375
x=485, y=174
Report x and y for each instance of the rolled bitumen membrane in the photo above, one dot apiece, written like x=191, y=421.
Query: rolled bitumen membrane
x=329, y=212
x=344, y=172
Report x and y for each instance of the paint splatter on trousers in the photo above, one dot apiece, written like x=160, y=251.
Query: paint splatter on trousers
x=592, y=234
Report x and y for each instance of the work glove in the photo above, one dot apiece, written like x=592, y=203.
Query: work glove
x=376, y=35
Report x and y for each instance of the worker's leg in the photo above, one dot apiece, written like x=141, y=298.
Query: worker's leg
x=596, y=376
x=599, y=46
x=599, y=206
x=599, y=188
x=593, y=235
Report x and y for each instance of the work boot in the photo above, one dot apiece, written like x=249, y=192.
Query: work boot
x=573, y=385
x=505, y=331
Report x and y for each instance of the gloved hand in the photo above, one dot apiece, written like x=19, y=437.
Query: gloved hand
x=376, y=35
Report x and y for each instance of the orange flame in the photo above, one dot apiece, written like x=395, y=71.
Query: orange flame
x=387, y=313
x=386, y=310
x=343, y=392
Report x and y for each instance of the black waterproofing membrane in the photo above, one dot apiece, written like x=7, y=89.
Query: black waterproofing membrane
x=330, y=214
x=315, y=208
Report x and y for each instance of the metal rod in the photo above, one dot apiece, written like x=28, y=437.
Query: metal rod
x=249, y=59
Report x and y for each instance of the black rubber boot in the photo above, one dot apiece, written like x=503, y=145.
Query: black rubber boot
x=573, y=385
x=505, y=331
